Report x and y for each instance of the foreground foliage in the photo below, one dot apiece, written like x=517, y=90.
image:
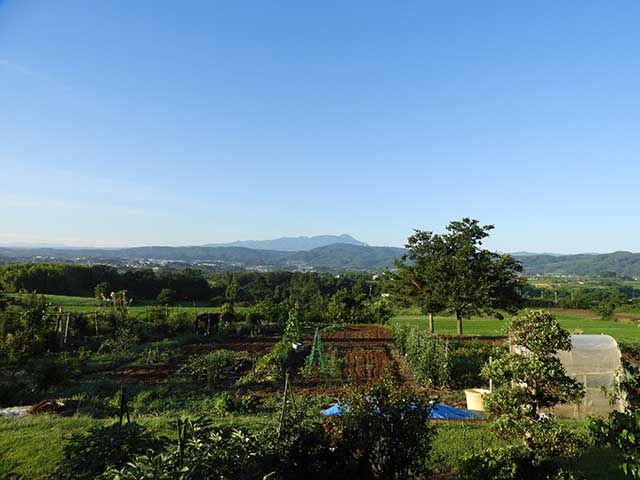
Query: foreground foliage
x=88, y=454
x=529, y=379
x=382, y=434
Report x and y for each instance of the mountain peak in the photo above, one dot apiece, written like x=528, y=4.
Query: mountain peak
x=292, y=244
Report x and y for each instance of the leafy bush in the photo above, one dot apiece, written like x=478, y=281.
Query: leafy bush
x=122, y=342
x=226, y=403
x=379, y=312
x=384, y=433
x=204, y=452
x=87, y=455
x=209, y=367
x=275, y=363
x=167, y=296
x=621, y=431
x=50, y=370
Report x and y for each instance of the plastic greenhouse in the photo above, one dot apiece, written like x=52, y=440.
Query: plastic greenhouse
x=594, y=361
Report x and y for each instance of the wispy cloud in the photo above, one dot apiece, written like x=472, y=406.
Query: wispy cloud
x=26, y=240
x=15, y=67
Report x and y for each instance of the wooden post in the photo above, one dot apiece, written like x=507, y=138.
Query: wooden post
x=431, y=323
x=66, y=328
x=59, y=328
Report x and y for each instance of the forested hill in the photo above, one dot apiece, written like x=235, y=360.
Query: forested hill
x=621, y=263
x=292, y=244
x=336, y=257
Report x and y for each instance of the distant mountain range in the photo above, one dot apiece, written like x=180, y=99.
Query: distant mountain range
x=621, y=263
x=332, y=253
x=334, y=257
x=292, y=244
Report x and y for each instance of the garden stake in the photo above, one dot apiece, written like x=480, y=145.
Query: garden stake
x=124, y=408
x=316, y=349
x=284, y=404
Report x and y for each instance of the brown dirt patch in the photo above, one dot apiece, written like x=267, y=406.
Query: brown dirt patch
x=146, y=374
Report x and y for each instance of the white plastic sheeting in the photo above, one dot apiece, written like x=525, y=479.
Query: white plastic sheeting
x=594, y=361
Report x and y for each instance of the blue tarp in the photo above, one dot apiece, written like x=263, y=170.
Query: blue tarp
x=438, y=411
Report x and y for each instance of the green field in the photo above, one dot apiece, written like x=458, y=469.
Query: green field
x=622, y=330
x=579, y=322
x=89, y=304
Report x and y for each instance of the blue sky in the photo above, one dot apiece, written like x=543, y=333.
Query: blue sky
x=163, y=122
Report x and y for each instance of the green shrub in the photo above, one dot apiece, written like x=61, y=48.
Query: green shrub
x=243, y=329
x=383, y=433
x=205, y=452
x=122, y=342
x=621, y=431
x=467, y=360
x=50, y=370
x=226, y=404
x=87, y=455
x=275, y=363
x=209, y=367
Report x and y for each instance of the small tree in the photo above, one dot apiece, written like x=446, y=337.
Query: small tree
x=605, y=309
x=530, y=378
x=167, y=296
x=101, y=291
x=452, y=272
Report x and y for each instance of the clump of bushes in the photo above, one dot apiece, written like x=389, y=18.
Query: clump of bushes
x=275, y=364
x=209, y=368
x=123, y=342
x=382, y=435
x=50, y=370
x=203, y=452
x=227, y=404
x=87, y=455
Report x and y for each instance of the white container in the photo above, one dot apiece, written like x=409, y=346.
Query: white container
x=474, y=398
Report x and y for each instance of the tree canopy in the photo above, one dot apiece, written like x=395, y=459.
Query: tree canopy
x=452, y=272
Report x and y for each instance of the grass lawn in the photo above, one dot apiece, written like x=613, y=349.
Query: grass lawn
x=89, y=304
x=623, y=330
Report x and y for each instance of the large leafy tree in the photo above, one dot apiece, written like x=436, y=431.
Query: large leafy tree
x=452, y=272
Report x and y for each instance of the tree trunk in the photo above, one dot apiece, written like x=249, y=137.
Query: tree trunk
x=430, y=322
x=459, y=323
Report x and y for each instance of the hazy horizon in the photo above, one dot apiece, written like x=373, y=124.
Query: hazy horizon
x=157, y=123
